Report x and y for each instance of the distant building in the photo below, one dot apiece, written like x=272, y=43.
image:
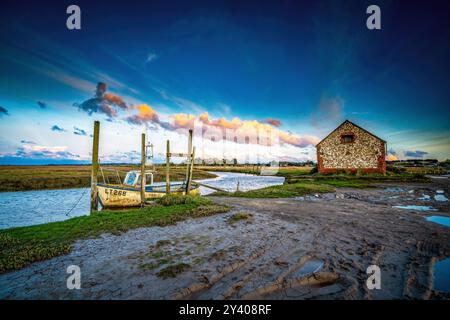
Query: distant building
x=351, y=148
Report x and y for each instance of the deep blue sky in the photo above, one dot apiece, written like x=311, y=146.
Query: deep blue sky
x=309, y=64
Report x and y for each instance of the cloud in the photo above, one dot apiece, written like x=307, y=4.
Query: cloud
x=42, y=105
x=79, y=132
x=103, y=102
x=414, y=154
x=41, y=152
x=57, y=128
x=27, y=142
x=392, y=155
x=237, y=130
x=115, y=100
x=151, y=57
x=146, y=114
x=122, y=157
x=329, y=112
x=3, y=111
x=274, y=122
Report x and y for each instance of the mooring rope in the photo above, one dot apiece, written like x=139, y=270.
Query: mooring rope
x=78, y=201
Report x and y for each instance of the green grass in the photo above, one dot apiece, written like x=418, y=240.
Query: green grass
x=282, y=191
x=173, y=270
x=293, y=171
x=355, y=180
x=21, y=246
x=239, y=216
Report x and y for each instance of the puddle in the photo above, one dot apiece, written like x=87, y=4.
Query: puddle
x=309, y=267
x=416, y=208
x=425, y=197
x=445, y=221
x=440, y=197
x=442, y=275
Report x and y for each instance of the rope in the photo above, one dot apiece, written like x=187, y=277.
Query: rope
x=78, y=201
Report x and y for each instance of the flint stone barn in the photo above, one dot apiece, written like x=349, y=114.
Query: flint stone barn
x=351, y=148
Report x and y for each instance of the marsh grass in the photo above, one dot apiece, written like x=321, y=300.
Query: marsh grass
x=281, y=191
x=239, y=216
x=173, y=270
x=22, y=178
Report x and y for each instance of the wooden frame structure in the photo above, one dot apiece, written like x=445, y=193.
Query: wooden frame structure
x=190, y=155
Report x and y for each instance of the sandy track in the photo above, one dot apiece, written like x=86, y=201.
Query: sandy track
x=306, y=248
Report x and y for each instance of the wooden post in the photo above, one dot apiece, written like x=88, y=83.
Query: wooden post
x=189, y=151
x=168, y=168
x=94, y=171
x=143, y=180
x=191, y=169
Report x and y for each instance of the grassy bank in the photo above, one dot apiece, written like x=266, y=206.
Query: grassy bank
x=21, y=178
x=354, y=180
x=21, y=246
x=282, y=191
x=299, y=182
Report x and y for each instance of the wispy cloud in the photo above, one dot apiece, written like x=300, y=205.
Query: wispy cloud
x=274, y=122
x=414, y=154
x=3, y=111
x=57, y=128
x=151, y=57
x=41, y=152
x=79, y=132
x=42, y=105
x=27, y=142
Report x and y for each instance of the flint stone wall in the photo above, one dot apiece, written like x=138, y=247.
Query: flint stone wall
x=366, y=151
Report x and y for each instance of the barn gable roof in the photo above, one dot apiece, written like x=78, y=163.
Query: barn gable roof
x=348, y=121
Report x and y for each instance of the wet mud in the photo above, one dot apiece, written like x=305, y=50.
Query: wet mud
x=314, y=247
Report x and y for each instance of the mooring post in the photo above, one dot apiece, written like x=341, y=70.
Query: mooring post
x=143, y=180
x=189, y=151
x=191, y=168
x=189, y=160
x=94, y=171
x=168, y=168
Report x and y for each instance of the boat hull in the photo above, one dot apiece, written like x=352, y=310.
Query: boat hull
x=112, y=196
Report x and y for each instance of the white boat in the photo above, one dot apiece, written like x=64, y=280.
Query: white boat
x=128, y=193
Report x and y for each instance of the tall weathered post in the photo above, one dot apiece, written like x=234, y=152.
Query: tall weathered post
x=143, y=170
x=94, y=171
x=189, y=152
x=191, y=168
x=168, y=168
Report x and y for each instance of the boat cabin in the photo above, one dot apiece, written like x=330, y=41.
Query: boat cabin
x=133, y=178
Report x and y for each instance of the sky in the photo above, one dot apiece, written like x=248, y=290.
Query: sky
x=256, y=80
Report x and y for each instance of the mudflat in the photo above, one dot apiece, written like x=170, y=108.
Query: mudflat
x=312, y=247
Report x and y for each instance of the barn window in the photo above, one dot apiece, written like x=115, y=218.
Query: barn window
x=347, y=138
